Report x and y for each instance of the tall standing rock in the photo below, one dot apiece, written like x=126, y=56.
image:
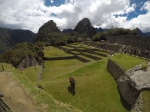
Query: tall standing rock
x=48, y=27
x=84, y=27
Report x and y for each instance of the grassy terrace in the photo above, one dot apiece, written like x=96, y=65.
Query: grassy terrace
x=102, y=52
x=51, y=52
x=96, y=89
x=146, y=101
x=67, y=47
x=79, y=46
x=57, y=68
x=90, y=59
x=93, y=55
x=127, y=61
x=76, y=52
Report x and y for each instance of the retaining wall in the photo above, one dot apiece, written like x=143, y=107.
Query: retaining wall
x=126, y=87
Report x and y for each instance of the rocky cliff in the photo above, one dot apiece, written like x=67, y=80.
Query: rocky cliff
x=84, y=27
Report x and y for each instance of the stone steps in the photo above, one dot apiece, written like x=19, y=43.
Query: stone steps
x=4, y=107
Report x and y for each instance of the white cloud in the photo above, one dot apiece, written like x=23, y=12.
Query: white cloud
x=52, y=1
x=31, y=14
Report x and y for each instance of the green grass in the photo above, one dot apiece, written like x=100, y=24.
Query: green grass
x=90, y=59
x=32, y=73
x=39, y=97
x=61, y=63
x=52, y=52
x=67, y=47
x=93, y=55
x=7, y=67
x=146, y=101
x=101, y=52
x=127, y=61
x=60, y=67
x=96, y=89
x=76, y=52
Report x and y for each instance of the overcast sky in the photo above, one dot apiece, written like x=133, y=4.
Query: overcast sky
x=31, y=14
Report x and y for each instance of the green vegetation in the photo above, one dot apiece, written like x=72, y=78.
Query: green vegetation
x=16, y=55
x=146, y=101
x=32, y=73
x=40, y=98
x=96, y=90
x=68, y=47
x=144, y=65
x=127, y=61
x=60, y=67
x=57, y=38
x=113, y=32
x=54, y=52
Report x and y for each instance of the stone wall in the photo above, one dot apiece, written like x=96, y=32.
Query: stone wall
x=138, y=42
x=127, y=90
x=126, y=87
x=105, y=46
x=134, y=38
x=129, y=42
x=138, y=49
x=114, y=69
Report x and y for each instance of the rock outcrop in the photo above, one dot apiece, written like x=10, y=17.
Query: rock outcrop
x=132, y=82
x=140, y=76
x=27, y=62
x=48, y=27
x=84, y=27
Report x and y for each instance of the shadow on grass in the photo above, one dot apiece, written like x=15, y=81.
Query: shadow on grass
x=70, y=90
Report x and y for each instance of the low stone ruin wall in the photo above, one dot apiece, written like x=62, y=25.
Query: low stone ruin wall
x=132, y=38
x=126, y=87
x=114, y=69
x=91, y=56
x=106, y=46
x=141, y=52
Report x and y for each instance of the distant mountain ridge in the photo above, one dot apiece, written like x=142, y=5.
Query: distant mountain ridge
x=9, y=37
x=139, y=32
x=67, y=31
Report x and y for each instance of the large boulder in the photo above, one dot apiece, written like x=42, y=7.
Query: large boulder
x=48, y=27
x=140, y=75
x=27, y=62
x=84, y=27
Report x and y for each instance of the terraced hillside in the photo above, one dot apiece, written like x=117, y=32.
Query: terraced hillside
x=84, y=52
x=96, y=90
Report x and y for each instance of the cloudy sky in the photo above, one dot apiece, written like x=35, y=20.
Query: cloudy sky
x=31, y=14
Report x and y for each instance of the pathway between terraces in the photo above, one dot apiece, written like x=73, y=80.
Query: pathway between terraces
x=15, y=97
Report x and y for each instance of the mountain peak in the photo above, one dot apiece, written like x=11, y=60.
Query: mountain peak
x=139, y=32
x=85, y=27
x=48, y=27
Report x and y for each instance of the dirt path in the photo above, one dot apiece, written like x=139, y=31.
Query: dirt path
x=15, y=96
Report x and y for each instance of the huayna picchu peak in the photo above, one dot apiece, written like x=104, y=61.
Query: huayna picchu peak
x=85, y=27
